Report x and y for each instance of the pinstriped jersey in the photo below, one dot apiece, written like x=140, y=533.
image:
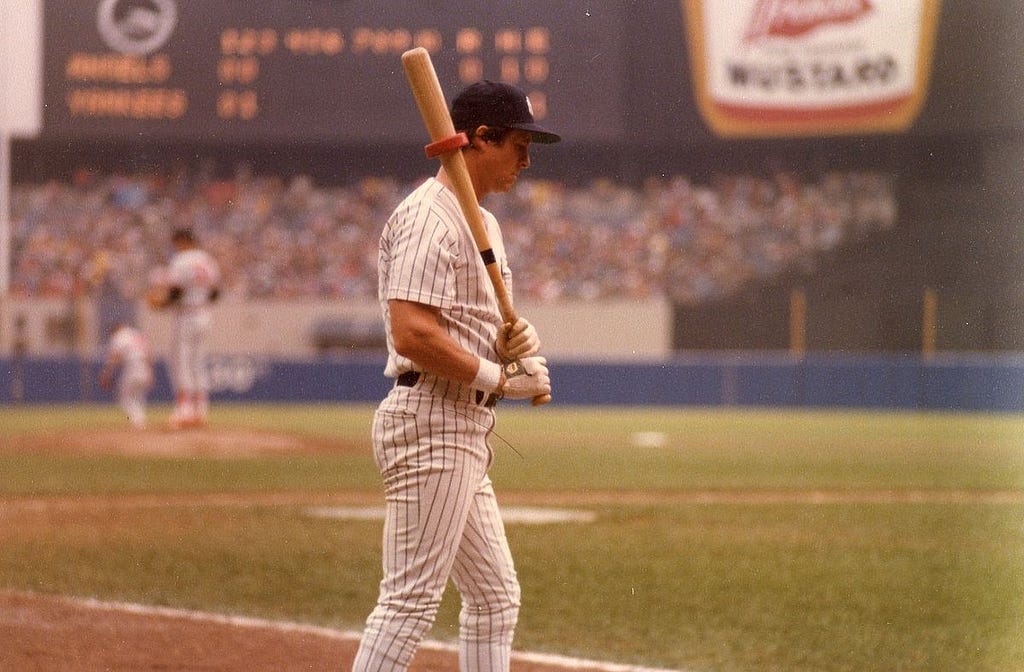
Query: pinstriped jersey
x=427, y=255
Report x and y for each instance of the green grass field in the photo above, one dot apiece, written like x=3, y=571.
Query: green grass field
x=746, y=540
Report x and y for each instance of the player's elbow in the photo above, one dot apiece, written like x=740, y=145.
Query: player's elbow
x=415, y=329
x=409, y=342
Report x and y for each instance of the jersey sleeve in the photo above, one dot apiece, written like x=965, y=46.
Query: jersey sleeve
x=421, y=256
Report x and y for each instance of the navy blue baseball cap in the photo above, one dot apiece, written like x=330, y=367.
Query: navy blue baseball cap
x=488, y=103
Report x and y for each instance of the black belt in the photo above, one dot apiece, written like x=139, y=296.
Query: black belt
x=410, y=378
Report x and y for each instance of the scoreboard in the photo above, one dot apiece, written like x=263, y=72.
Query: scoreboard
x=318, y=71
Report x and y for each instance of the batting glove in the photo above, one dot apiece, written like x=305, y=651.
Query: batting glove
x=526, y=378
x=517, y=340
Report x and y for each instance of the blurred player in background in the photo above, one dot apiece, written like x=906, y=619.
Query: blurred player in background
x=128, y=350
x=447, y=347
x=188, y=287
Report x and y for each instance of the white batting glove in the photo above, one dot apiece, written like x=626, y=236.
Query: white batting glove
x=526, y=378
x=517, y=340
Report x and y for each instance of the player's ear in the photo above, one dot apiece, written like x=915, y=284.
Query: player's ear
x=479, y=137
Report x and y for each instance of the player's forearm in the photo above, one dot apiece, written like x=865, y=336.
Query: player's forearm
x=417, y=333
x=444, y=358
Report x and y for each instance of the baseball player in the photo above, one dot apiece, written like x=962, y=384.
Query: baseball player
x=448, y=351
x=191, y=285
x=128, y=350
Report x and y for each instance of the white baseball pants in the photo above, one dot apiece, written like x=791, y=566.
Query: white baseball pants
x=188, y=354
x=442, y=521
x=132, y=388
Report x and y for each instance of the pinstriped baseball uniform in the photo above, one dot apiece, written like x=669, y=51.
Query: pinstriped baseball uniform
x=430, y=443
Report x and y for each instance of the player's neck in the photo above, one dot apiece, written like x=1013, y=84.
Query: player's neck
x=444, y=178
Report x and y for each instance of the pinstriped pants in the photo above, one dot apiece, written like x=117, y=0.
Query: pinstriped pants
x=441, y=521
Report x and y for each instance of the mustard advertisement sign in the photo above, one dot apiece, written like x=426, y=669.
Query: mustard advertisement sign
x=770, y=68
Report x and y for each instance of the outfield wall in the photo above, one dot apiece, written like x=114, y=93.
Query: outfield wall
x=289, y=329
x=964, y=383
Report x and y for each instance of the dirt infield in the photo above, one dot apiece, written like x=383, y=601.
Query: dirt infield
x=49, y=634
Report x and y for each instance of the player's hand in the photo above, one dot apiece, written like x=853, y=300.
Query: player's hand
x=526, y=378
x=517, y=340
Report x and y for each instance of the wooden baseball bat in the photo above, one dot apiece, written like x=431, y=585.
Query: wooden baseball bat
x=426, y=88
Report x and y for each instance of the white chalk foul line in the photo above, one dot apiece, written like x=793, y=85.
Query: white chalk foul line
x=511, y=515
x=554, y=661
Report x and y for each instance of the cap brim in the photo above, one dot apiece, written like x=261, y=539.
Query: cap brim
x=539, y=133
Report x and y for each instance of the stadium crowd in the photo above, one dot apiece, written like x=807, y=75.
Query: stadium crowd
x=290, y=239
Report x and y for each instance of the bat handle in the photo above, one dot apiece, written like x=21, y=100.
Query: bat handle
x=540, y=400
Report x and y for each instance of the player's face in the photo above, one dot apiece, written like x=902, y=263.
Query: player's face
x=503, y=161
